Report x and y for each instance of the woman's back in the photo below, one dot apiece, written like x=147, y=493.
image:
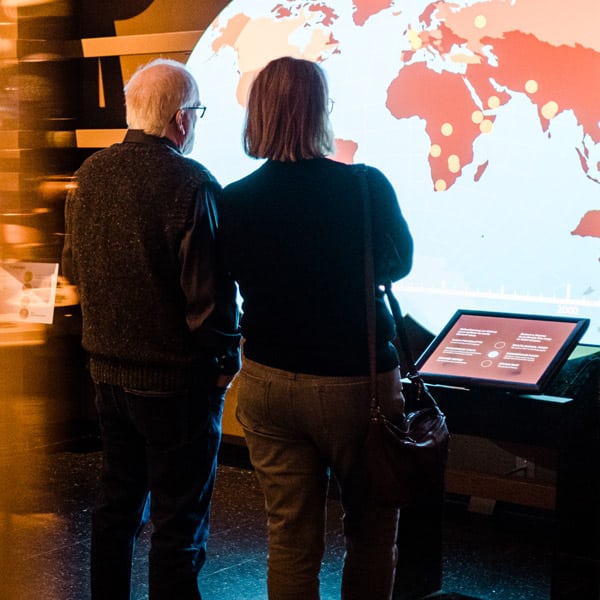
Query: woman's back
x=293, y=238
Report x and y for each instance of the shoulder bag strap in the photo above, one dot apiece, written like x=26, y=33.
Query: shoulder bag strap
x=369, y=281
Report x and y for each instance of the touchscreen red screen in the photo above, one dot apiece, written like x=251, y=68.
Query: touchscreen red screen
x=498, y=348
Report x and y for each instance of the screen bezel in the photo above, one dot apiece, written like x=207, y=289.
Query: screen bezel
x=580, y=325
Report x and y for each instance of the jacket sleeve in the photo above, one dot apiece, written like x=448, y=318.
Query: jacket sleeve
x=392, y=240
x=211, y=306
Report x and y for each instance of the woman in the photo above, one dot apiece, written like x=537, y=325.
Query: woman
x=292, y=237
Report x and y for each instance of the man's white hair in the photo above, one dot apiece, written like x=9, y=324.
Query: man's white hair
x=155, y=92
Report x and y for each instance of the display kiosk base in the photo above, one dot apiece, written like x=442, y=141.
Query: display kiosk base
x=568, y=424
x=419, y=570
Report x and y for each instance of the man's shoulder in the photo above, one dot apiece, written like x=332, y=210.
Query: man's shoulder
x=198, y=168
x=155, y=159
x=101, y=155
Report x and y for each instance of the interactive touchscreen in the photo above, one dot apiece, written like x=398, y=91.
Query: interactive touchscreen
x=514, y=352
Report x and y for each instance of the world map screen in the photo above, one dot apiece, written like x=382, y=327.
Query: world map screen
x=484, y=115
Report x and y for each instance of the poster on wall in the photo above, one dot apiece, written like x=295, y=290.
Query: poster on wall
x=27, y=292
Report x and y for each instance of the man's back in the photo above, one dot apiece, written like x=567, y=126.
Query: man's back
x=133, y=205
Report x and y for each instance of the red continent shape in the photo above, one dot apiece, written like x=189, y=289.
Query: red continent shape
x=589, y=226
x=363, y=9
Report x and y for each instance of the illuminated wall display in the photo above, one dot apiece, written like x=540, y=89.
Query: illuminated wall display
x=484, y=115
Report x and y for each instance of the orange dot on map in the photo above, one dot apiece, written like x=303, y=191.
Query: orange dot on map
x=446, y=129
x=435, y=150
x=453, y=163
x=493, y=102
x=476, y=116
x=549, y=110
x=486, y=126
x=440, y=185
x=480, y=21
x=531, y=86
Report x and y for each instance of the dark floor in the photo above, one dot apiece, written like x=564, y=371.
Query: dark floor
x=46, y=498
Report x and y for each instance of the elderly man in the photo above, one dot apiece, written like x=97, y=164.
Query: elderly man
x=160, y=331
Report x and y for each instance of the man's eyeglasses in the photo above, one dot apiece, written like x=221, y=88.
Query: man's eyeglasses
x=199, y=107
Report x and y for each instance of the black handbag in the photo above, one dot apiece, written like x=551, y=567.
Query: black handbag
x=403, y=461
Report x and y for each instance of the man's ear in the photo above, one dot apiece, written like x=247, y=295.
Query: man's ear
x=179, y=121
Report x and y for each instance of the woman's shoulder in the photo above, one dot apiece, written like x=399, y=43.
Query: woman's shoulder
x=357, y=168
x=375, y=177
x=238, y=185
x=375, y=173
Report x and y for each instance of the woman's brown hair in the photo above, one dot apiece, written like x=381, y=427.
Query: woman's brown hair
x=287, y=113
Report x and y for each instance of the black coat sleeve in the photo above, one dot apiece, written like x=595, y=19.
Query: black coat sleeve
x=392, y=240
x=212, y=310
